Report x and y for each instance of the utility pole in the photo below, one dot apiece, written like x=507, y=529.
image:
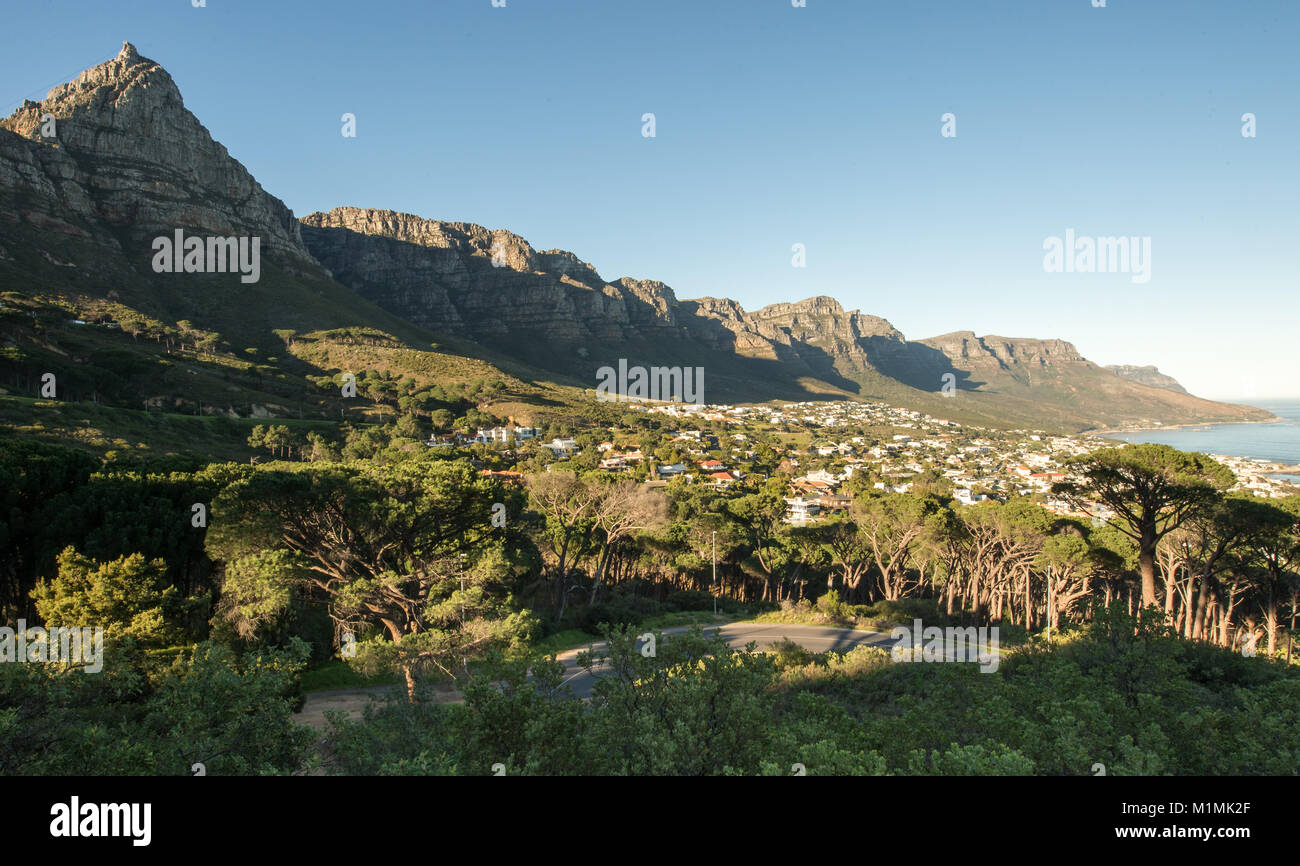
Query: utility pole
x=715, y=573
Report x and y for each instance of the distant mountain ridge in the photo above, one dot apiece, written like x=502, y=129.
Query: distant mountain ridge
x=553, y=310
x=1147, y=375
x=129, y=162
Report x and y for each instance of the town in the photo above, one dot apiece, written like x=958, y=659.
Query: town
x=827, y=452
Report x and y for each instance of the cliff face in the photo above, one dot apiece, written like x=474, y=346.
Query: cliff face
x=821, y=336
x=488, y=285
x=493, y=287
x=1147, y=375
x=1003, y=352
x=127, y=163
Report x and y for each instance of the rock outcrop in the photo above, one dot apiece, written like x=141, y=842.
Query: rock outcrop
x=1147, y=375
x=1003, y=352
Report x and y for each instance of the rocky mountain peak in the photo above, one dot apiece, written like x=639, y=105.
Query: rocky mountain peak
x=497, y=247
x=129, y=83
x=825, y=317
x=819, y=305
x=126, y=153
x=93, y=173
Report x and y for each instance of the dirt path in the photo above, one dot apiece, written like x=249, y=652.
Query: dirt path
x=353, y=701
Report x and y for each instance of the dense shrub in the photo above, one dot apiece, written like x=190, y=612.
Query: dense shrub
x=1120, y=693
x=689, y=599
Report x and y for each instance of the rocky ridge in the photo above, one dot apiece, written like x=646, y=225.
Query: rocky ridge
x=492, y=286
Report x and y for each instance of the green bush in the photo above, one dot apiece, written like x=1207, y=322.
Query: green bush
x=624, y=611
x=903, y=611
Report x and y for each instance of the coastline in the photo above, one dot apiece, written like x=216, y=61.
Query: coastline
x=1259, y=465
x=1276, y=419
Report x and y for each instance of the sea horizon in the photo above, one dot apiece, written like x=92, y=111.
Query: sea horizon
x=1259, y=440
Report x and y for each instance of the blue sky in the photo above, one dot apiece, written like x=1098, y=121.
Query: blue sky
x=779, y=125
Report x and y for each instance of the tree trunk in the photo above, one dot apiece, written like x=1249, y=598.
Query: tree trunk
x=1147, y=563
x=1225, y=618
x=1171, y=580
x=1029, y=605
x=395, y=632
x=1202, y=603
x=601, y=564
x=1270, y=620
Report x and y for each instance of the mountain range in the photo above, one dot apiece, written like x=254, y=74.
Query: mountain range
x=92, y=174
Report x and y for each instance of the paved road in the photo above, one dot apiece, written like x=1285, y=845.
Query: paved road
x=814, y=638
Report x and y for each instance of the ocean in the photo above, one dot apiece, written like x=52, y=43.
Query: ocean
x=1280, y=441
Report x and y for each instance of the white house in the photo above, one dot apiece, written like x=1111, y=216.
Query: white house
x=563, y=447
x=800, y=509
x=966, y=497
x=502, y=434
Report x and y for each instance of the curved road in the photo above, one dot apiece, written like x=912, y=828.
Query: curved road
x=815, y=638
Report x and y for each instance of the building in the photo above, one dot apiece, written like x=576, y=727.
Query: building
x=562, y=447
x=832, y=502
x=966, y=497
x=502, y=434
x=800, y=510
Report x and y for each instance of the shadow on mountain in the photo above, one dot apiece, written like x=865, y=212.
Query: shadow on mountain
x=924, y=368
x=572, y=322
